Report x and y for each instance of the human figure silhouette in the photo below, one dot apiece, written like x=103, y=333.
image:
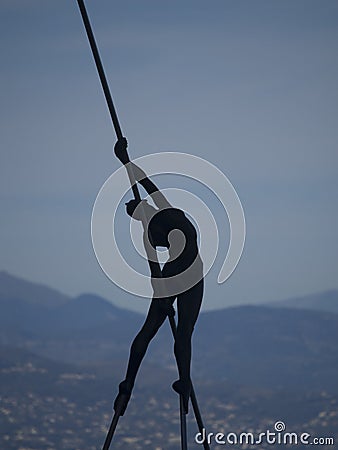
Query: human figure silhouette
x=167, y=227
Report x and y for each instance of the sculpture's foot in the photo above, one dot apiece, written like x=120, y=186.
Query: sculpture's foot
x=184, y=390
x=122, y=399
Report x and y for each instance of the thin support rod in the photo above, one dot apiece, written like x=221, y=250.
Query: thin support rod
x=193, y=397
x=100, y=70
x=183, y=420
x=111, y=431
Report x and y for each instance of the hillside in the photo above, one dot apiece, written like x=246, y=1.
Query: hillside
x=321, y=301
x=257, y=346
x=61, y=361
x=12, y=287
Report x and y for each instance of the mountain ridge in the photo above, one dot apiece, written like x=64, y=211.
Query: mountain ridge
x=255, y=345
x=319, y=301
x=13, y=287
x=17, y=288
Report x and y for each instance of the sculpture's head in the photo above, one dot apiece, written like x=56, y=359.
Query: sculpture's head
x=138, y=209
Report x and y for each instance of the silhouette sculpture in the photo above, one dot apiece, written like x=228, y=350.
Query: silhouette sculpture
x=166, y=227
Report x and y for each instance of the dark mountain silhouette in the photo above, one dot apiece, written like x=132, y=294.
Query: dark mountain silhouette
x=61, y=362
x=16, y=288
x=269, y=347
x=322, y=301
x=38, y=310
x=86, y=328
x=257, y=346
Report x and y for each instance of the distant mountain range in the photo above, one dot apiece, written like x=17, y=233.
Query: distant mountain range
x=15, y=288
x=274, y=346
x=322, y=301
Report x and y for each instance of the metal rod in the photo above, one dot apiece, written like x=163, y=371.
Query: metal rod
x=198, y=416
x=193, y=398
x=105, y=88
x=100, y=70
x=111, y=431
x=183, y=419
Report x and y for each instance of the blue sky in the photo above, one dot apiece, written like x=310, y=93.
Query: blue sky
x=250, y=86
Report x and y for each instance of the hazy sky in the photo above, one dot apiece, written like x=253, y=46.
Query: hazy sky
x=249, y=85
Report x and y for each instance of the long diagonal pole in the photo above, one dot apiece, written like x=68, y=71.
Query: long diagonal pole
x=137, y=196
x=105, y=86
